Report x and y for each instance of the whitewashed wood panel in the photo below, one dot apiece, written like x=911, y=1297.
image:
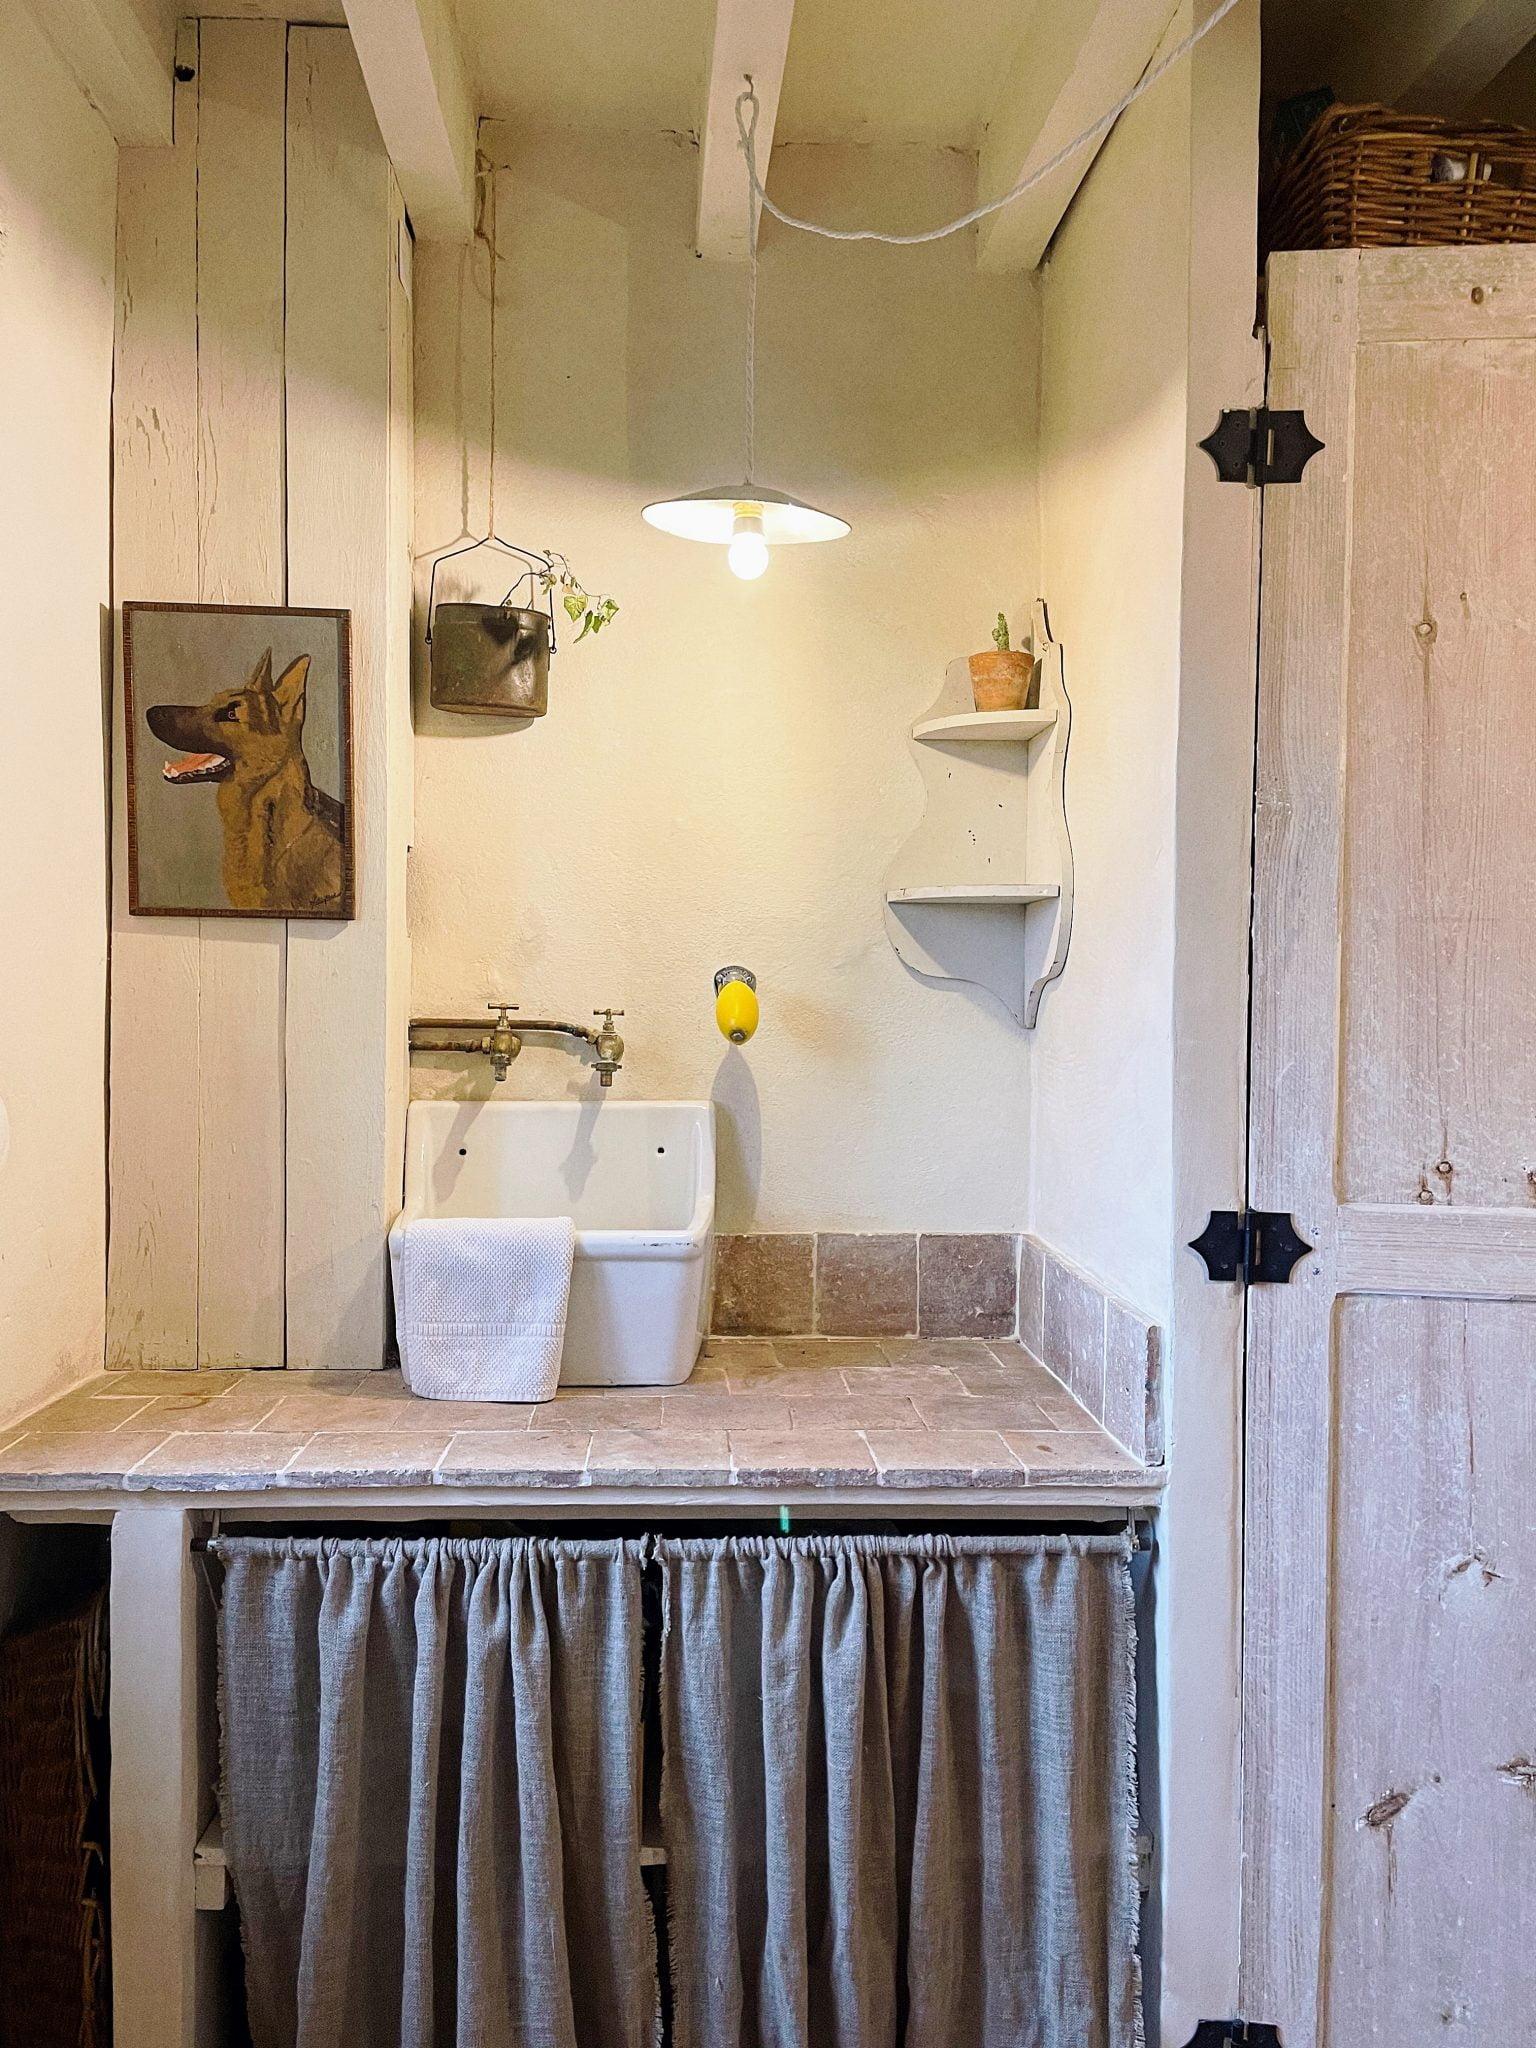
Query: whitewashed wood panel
x=348, y=412
x=152, y=1277
x=1434, y=1676
x=1439, y=945
x=1472, y=1254
x=240, y=266
x=1389, y=1441
x=1418, y=295
x=1293, y=1092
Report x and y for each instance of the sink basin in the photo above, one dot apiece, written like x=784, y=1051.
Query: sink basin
x=637, y=1178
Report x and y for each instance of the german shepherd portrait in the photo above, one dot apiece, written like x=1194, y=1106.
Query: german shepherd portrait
x=283, y=840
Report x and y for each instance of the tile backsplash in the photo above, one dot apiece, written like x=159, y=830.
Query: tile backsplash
x=950, y=1284
x=1104, y=1351
x=849, y=1284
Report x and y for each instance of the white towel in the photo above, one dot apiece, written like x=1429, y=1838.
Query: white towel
x=481, y=1314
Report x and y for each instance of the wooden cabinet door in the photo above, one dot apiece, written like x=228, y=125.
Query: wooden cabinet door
x=1389, y=1711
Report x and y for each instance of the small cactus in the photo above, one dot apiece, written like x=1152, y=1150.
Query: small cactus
x=1000, y=634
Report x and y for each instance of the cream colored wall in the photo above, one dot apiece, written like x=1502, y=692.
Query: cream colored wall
x=57, y=189
x=1137, y=1127
x=725, y=775
x=1112, y=439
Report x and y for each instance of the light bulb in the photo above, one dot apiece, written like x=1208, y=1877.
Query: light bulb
x=748, y=551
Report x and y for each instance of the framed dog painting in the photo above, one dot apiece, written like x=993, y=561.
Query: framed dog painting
x=239, y=757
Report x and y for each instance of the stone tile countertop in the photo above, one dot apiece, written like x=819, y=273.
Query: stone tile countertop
x=758, y=1419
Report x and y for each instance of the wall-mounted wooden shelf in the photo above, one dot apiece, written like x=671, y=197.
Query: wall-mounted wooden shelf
x=985, y=725
x=1004, y=893
x=995, y=811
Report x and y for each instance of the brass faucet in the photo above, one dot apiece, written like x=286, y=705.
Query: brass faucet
x=503, y=1045
x=610, y=1048
x=503, y=1042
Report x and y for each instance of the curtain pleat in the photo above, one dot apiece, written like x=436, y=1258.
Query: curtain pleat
x=898, y=1795
x=431, y=1792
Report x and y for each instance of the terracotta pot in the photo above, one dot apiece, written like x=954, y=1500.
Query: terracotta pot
x=1000, y=682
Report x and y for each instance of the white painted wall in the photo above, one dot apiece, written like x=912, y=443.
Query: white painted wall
x=1115, y=322
x=57, y=190
x=725, y=775
x=1138, y=1084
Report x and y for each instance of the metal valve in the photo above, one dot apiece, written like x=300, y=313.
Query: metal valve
x=610, y=1047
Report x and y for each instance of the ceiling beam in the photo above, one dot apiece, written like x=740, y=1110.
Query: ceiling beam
x=416, y=78
x=121, y=54
x=1075, y=62
x=751, y=40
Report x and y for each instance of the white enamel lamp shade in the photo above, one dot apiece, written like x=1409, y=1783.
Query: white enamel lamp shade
x=712, y=515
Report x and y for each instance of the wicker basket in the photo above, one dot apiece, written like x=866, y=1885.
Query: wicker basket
x=53, y=1948
x=1372, y=178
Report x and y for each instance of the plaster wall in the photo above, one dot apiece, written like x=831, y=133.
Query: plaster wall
x=1112, y=440
x=58, y=168
x=725, y=774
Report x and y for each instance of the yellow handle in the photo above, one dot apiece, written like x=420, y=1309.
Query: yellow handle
x=736, y=1011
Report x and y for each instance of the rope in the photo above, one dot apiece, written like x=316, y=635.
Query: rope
x=752, y=221
x=747, y=130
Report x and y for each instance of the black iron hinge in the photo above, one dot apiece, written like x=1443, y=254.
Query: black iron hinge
x=1259, y=446
x=1252, y=1245
x=1234, y=2034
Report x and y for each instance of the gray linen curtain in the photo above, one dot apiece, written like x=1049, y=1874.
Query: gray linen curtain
x=898, y=1792
x=431, y=1793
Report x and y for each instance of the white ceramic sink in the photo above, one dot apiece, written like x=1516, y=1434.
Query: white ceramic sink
x=638, y=1179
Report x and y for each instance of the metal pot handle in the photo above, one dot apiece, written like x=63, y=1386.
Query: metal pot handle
x=530, y=556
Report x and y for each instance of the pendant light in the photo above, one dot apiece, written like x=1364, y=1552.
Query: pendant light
x=747, y=518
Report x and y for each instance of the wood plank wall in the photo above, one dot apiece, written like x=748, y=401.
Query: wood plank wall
x=262, y=447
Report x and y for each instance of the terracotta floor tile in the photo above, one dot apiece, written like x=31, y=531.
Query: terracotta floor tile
x=951, y=1352
x=592, y=1408
x=937, y=1458
x=810, y=1457
x=977, y=1411
x=196, y=1463
x=219, y=1415
x=1067, y=1456
x=377, y=1386
x=837, y=1352
x=737, y=1353
x=800, y=1412
x=396, y=1457
x=880, y=1408
x=911, y=1379
x=724, y=1410
x=76, y=1457
x=320, y=1411
x=514, y=1458
x=141, y=1382
x=80, y=1411
x=653, y=1457
x=456, y=1417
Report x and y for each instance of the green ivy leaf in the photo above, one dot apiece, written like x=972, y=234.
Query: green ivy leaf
x=575, y=602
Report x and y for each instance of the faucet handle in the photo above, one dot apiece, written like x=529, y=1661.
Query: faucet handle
x=501, y=1009
x=609, y=1014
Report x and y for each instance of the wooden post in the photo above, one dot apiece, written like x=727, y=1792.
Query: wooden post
x=156, y=1778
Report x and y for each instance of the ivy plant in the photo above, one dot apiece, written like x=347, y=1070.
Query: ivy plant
x=579, y=605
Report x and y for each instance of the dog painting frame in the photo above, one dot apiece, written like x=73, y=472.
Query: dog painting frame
x=238, y=750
